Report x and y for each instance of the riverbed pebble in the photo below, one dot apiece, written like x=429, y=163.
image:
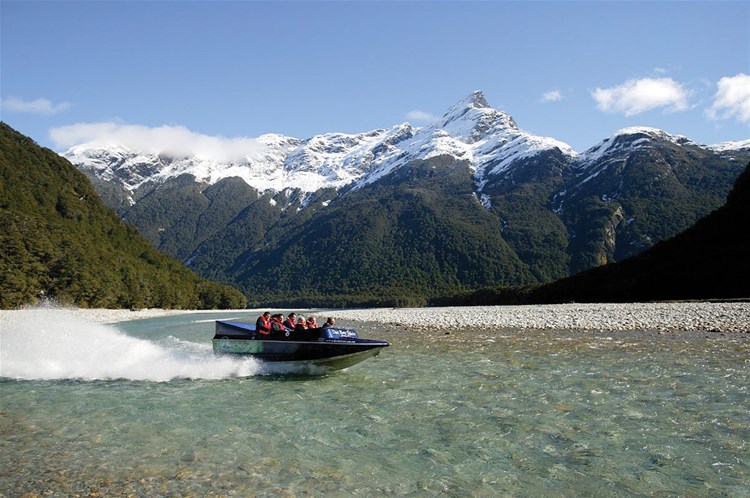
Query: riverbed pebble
x=662, y=317
x=665, y=317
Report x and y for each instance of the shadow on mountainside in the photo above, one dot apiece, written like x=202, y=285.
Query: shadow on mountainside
x=710, y=260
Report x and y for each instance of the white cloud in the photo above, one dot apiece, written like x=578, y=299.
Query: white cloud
x=38, y=106
x=171, y=140
x=637, y=96
x=552, y=96
x=420, y=116
x=732, y=99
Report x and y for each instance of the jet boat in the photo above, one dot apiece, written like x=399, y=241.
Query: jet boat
x=327, y=348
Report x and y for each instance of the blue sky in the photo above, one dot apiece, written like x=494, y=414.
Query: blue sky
x=575, y=71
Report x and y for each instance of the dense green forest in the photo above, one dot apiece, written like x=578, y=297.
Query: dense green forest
x=710, y=260
x=418, y=236
x=415, y=234
x=60, y=242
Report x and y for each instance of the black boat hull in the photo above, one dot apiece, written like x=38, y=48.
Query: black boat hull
x=326, y=348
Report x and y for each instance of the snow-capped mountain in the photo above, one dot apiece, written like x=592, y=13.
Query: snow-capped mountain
x=468, y=200
x=470, y=130
x=626, y=140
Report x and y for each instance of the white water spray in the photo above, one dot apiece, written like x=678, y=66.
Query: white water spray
x=56, y=343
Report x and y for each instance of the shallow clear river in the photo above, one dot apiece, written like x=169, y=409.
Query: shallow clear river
x=144, y=408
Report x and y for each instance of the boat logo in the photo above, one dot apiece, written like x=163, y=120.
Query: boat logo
x=224, y=344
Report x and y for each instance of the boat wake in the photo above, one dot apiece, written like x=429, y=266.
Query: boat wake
x=56, y=344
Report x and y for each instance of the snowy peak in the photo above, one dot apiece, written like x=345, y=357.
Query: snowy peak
x=116, y=164
x=472, y=131
x=742, y=145
x=646, y=134
x=475, y=100
x=472, y=118
x=488, y=139
x=626, y=140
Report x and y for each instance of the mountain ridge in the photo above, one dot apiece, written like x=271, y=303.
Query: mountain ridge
x=550, y=211
x=328, y=160
x=470, y=129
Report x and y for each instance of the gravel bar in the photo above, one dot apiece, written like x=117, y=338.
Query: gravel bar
x=677, y=316
x=683, y=316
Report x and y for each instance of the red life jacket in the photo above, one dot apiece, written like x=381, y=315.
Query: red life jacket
x=263, y=325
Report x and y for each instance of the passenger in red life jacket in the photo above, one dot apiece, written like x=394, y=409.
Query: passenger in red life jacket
x=277, y=327
x=263, y=324
x=312, y=323
x=301, y=326
x=291, y=321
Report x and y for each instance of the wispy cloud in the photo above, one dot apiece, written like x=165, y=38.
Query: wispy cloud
x=38, y=106
x=420, y=116
x=732, y=99
x=172, y=140
x=637, y=96
x=551, y=96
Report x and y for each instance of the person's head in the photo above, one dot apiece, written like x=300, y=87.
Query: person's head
x=292, y=316
x=301, y=320
x=267, y=314
x=331, y=320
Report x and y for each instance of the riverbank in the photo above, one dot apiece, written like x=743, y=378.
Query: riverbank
x=689, y=316
x=684, y=316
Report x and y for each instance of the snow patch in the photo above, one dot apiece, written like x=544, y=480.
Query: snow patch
x=743, y=145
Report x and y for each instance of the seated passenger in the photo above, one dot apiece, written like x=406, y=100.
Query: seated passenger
x=291, y=321
x=329, y=323
x=263, y=324
x=301, y=326
x=312, y=323
x=277, y=326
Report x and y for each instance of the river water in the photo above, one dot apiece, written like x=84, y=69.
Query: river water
x=144, y=408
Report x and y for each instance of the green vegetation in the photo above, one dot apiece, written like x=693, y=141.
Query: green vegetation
x=521, y=201
x=420, y=232
x=707, y=261
x=396, y=242
x=59, y=241
x=641, y=198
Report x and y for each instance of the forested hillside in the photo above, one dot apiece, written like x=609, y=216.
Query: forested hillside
x=399, y=216
x=418, y=233
x=59, y=241
x=707, y=261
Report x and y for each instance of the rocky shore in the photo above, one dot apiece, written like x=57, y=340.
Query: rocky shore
x=689, y=316
x=697, y=316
